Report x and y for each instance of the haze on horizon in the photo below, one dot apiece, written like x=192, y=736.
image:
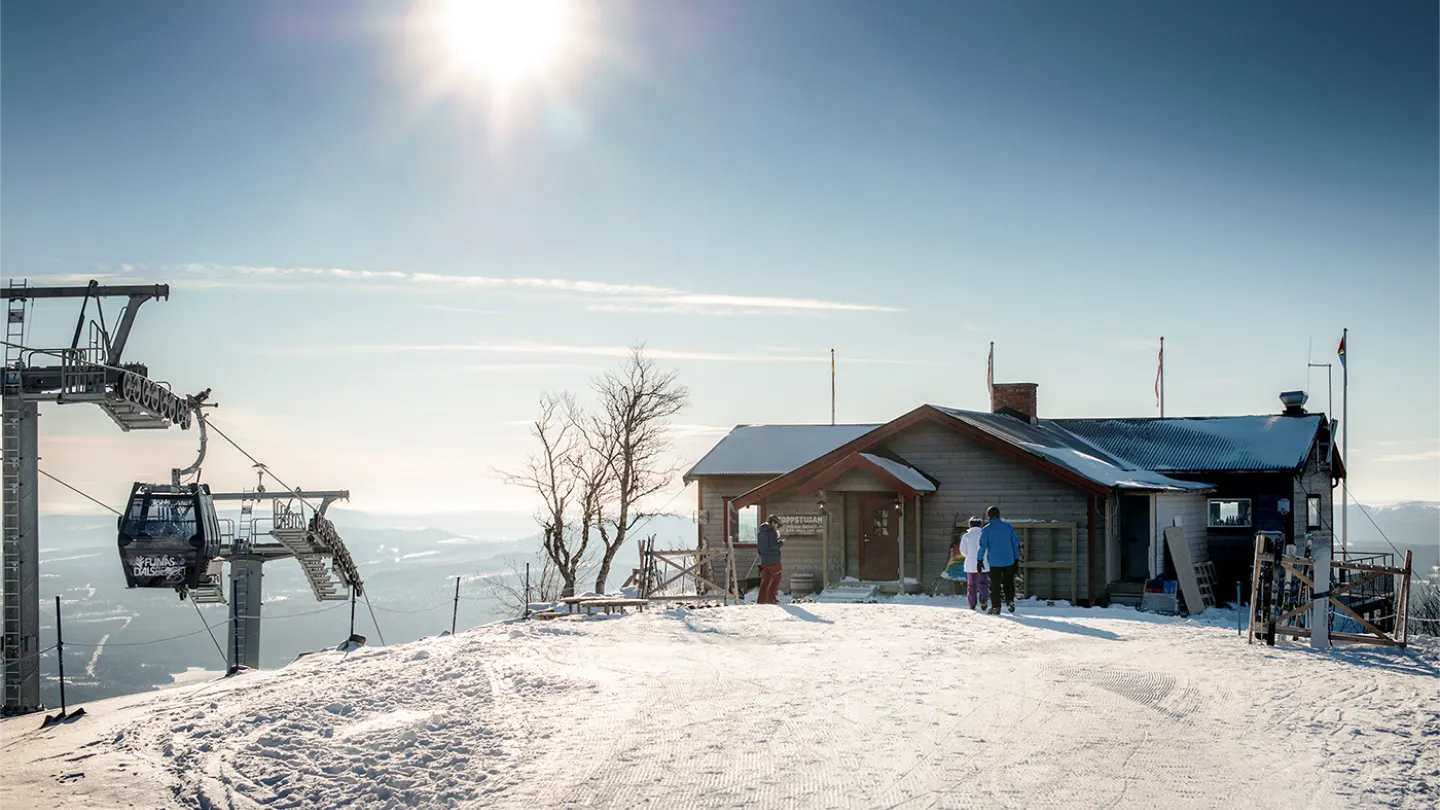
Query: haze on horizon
x=387, y=230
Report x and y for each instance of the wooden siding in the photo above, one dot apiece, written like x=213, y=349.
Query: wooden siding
x=972, y=477
x=1314, y=480
x=858, y=481
x=1192, y=511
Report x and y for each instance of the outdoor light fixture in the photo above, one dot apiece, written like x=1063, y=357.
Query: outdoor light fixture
x=820, y=504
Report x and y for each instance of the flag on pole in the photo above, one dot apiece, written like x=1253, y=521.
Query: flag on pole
x=990, y=372
x=1160, y=373
x=1341, y=351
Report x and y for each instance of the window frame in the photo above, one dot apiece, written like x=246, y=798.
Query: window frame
x=725, y=507
x=1249, y=513
x=1317, y=511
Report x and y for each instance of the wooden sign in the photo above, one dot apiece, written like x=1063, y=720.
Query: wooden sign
x=801, y=524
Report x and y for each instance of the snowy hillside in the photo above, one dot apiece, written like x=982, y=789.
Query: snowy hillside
x=915, y=704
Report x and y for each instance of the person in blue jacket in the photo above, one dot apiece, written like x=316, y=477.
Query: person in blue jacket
x=1000, y=549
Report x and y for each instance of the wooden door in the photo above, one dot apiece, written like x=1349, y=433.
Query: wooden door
x=879, y=538
x=1135, y=528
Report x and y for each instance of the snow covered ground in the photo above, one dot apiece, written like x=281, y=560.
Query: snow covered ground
x=912, y=704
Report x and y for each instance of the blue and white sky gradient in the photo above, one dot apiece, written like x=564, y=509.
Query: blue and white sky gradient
x=378, y=265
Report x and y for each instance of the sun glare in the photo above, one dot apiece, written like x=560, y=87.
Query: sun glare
x=505, y=41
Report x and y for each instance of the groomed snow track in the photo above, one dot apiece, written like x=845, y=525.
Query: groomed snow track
x=918, y=705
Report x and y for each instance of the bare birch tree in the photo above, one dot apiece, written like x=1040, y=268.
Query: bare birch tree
x=629, y=433
x=508, y=587
x=557, y=474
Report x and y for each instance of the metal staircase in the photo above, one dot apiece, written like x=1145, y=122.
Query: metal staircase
x=211, y=592
x=312, y=543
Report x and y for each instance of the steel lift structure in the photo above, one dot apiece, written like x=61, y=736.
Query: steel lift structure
x=94, y=372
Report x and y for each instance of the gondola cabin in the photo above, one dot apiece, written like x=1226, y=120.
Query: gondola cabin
x=168, y=536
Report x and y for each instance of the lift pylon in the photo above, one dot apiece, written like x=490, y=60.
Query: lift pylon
x=301, y=531
x=82, y=372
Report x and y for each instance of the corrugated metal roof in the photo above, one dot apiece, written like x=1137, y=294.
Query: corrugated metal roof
x=1205, y=444
x=773, y=449
x=1060, y=447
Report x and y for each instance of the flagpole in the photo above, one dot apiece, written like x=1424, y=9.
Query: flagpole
x=832, y=386
x=1345, y=449
x=990, y=375
x=1162, y=376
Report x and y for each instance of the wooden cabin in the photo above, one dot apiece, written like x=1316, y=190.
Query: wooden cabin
x=881, y=503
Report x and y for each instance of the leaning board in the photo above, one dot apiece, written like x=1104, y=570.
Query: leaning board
x=1184, y=568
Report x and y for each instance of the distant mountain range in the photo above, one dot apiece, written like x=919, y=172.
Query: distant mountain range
x=1412, y=526
x=409, y=564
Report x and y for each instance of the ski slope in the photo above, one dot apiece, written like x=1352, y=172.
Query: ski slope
x=913, y=704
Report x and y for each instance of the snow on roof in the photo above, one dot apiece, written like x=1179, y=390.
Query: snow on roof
x=1203, y=444
x=907, y=475
x=773, y=449
x=1060, y=447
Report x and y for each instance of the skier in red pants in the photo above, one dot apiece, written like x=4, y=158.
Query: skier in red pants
x=768, y=543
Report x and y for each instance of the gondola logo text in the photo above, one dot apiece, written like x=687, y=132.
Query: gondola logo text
x=166, y=566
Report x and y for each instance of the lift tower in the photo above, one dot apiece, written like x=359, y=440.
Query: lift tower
x=91, y=371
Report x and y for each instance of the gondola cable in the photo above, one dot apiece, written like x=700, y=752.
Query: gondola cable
x=267, y=471
x=79, y=492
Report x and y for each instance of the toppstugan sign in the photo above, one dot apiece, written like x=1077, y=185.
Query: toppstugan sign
x=144, y=392
x=802, y=524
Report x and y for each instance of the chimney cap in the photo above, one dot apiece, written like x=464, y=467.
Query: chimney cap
x=1294, y=401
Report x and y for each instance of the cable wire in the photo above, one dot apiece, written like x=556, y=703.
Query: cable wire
x=36, y=654
x=223, y=659
x=446, y=603
x=77, y=491
x=366, y=594
x=301, y=613
x=1366, y=513
x=204, y=629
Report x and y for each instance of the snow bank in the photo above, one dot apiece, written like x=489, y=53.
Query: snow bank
x=912, y=702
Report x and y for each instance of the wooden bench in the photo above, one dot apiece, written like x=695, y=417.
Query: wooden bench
x=571, y=601
x=609, y=604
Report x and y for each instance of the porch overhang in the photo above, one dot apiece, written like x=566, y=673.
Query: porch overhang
x=900, y=477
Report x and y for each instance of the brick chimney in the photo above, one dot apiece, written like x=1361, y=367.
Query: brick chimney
x=1015, y=399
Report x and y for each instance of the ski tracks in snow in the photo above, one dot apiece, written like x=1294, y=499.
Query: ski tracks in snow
x=820, y=706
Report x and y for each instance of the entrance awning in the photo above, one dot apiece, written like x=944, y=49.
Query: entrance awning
x=898, y=475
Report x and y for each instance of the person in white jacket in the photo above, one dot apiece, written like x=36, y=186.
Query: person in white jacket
x=977, y=583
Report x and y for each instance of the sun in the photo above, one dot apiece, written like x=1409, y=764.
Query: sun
x=505, y=42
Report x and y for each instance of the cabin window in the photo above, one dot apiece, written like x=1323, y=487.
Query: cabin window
x=742, y=524
x=1312, y=511
x=749, y=520
x=1230, y=513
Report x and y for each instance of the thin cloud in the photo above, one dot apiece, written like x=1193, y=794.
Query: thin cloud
x=568, y=350
x=692, y=431
x=623, y=297
x=465, y=310
x=501, y=368
x=1423, y=455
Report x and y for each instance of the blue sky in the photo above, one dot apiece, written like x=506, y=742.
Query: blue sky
x=378, y=267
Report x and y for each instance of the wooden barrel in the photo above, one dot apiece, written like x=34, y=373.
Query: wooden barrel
x=802, y=584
